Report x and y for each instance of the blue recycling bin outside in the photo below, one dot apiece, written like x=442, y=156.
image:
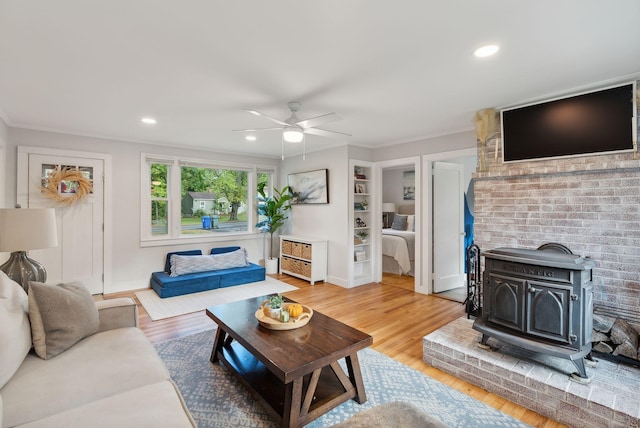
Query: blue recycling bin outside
x=206, y=222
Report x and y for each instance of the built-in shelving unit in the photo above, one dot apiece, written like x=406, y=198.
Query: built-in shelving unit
x=305, y=258
x=362, y=222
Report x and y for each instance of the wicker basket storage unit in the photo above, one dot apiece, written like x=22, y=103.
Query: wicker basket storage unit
x=305, y=258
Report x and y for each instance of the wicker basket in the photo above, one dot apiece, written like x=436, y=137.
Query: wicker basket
x=305, y=269
x=296, y=249
x=295, y=266
x=286, y=247
x=287, y=264
x=306, y=251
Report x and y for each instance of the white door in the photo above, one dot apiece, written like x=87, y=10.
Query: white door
x=448, y=226
x=80, y=252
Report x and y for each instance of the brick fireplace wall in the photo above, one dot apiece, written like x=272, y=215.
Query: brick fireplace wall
x=590, y=204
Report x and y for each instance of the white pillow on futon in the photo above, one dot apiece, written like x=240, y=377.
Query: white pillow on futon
x=182, y=265
x=14, y=327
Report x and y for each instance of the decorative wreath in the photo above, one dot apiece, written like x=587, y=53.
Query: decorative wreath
x=60, y=178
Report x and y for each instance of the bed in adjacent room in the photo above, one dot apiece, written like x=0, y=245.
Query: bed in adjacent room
x=398, y=243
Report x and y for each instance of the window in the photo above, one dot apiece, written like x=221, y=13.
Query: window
x=196, y=199
x=221, y=196
x=264, y=176
x=159, y=199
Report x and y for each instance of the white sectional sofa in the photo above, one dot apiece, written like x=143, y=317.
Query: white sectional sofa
x=110, y=378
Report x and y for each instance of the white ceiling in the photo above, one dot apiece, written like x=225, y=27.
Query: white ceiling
x=395, y=71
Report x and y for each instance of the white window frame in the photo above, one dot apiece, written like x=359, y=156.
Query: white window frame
x=174, y=235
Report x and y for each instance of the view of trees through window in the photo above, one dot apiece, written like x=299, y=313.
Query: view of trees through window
x=211, y=199
x=159, y=199
x=222, y=192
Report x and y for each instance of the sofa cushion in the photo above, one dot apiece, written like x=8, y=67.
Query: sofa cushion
x=222, y=250
x=14, y=327
x=60, y=316
x=99, y=366
x=167, y=286
x=155, y=405
x=167, y=263
x=183, y=265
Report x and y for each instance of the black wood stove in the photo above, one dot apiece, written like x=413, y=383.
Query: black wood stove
x=541, y=301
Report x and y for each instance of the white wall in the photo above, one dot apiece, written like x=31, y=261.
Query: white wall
x=444, y=143
x=392, y=183
x=132, y=265
x=4, y=138
x=325, y=221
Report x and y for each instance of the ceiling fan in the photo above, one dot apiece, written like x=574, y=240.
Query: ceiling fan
x=293, y=129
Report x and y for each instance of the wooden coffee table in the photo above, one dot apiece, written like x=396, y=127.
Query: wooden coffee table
x=293, y=373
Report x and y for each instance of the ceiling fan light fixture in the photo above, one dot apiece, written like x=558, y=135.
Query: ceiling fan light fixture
x=293, y=134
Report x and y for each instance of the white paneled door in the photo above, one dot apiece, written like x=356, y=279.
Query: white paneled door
x=448, y=226
x=80, y=252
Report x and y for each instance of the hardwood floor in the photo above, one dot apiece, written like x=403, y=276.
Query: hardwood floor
x=397, y=319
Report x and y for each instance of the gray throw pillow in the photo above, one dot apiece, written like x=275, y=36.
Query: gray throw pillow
x=399, y=222
x=61, y=315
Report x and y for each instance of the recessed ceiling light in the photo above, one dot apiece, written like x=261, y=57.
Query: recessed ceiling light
x=250, y=138
x=487, y=50
x=148, y=120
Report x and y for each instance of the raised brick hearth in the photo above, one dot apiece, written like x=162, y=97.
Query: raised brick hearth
x=536, y=381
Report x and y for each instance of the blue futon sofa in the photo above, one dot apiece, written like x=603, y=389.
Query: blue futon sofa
x=167, y=286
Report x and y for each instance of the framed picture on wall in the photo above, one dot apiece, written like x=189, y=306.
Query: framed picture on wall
x=409, y=185
x=310, y=187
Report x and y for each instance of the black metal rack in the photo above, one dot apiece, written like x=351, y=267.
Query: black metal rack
x=473, y=301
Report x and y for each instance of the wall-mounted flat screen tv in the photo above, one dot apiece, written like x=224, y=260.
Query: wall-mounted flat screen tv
x=589, y=123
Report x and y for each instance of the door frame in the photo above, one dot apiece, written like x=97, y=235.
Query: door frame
x=22, y=195
x=418, y=285
x=427, y=184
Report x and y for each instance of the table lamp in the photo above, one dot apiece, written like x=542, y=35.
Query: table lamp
x=22, y=230
x=387, y=207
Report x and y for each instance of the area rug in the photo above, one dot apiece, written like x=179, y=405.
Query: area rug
x=216, y=399
x=158, y=308
x=390, y=415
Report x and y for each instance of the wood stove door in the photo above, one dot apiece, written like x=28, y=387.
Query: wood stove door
x=549, y=307
x=504, y=301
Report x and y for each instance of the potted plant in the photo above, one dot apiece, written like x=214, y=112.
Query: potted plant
x=273, y=208
x=274, y=305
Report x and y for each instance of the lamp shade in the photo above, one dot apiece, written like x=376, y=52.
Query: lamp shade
x=24, y=229
x=388, y=207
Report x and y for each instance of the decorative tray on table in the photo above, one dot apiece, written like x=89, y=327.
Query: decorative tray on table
x=275, y=324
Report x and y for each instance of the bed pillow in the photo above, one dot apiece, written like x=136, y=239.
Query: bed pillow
x=411, y=223
x=14, y=327
x=183, y=265
x=399, y=222
x=61, y=315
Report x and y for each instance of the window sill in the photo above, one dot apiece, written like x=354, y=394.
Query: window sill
x=213, y=237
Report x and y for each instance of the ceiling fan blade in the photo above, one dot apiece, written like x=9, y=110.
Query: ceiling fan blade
x=259, y=129
x=324, y=133
x=273, y=119
x=319, y=120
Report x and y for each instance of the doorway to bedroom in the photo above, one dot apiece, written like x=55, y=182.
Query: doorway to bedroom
x=400, y=260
